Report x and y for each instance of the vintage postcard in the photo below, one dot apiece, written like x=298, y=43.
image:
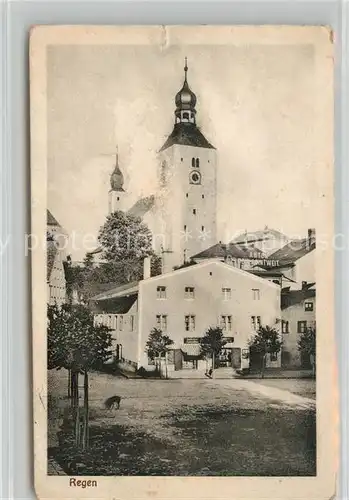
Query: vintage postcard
x=182, y=256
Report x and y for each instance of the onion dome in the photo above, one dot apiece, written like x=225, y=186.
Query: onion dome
x=185, y=101
x=117, y=178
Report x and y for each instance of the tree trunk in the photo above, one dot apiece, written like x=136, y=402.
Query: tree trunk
x=69, y=384
x=159, y=359
x=72, y=388
x=263, y=365
x=166, y=369
x=213, y=361
x=77, y=410
x=85, y=437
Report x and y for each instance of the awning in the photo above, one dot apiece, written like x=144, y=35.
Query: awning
x=191, y=349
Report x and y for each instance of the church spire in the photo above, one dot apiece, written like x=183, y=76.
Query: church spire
x=116, y=178
x=185, y=101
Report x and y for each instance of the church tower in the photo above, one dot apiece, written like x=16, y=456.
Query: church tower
x=188, y=184
x=117, y=195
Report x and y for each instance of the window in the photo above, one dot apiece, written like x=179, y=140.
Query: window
x=256, y=293
x=308, y=306
x=273, y=356
x=226, y=322
x=197, y=163
x=121, y=322
x=186, y=195
x=161, y=292
x=189, y=322
x=181, y=159
x=185, y=116
x=194, y=211
x=118, y=198
x=202, y=196
x=193, y=162
x=285, y=327
x=189, y=292
x=132, y=322
x=241, y=265
x=161, y=322
x=256, y=322
x=185, y=227
x=226, y=292
x=301, y=326
x=202, y=228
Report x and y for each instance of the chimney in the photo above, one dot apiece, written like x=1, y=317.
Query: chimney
x=146, y=267
x=311, y=236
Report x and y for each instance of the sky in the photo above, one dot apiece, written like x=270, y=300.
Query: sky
x=255, y=104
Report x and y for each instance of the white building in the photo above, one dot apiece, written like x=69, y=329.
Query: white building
x=266, y=241
x=298, y=314
x=56, y=256
x=184, y=304
x=296, y=260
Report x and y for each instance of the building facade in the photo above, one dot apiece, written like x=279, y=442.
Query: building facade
x=296, y=260
x=56, y=257
x=298, y=313
x=184, y=304
x=266, y=241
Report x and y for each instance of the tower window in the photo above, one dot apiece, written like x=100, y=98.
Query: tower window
x=194, y=211
x=185, y=116
x=202, y=196
x=186, y=195
x=118, y=198
x=202, y=228
x=181, y=159
x=185, y=228
x=193, y=162
x=189, y=292
x=197, y=163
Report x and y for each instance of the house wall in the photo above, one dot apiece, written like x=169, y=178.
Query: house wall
x=57, y=283
x=303, y=270
x=208, y=304
x=124, y=331
x=293, y=314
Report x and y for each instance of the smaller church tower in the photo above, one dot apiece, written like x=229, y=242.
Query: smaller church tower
x=117, y=194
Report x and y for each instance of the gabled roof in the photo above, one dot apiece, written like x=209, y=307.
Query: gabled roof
x=119, y=291
x=51, y=255
x=260, y=235
x=212, y=263
x=142, y=206
x=293, y=251
x=293, y=297
x=51, y=221
x=187, y=134
x=220, y=250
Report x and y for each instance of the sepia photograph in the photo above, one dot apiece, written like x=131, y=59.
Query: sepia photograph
x=183, y=252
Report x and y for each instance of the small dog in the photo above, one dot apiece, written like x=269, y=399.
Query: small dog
x=112, y=403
